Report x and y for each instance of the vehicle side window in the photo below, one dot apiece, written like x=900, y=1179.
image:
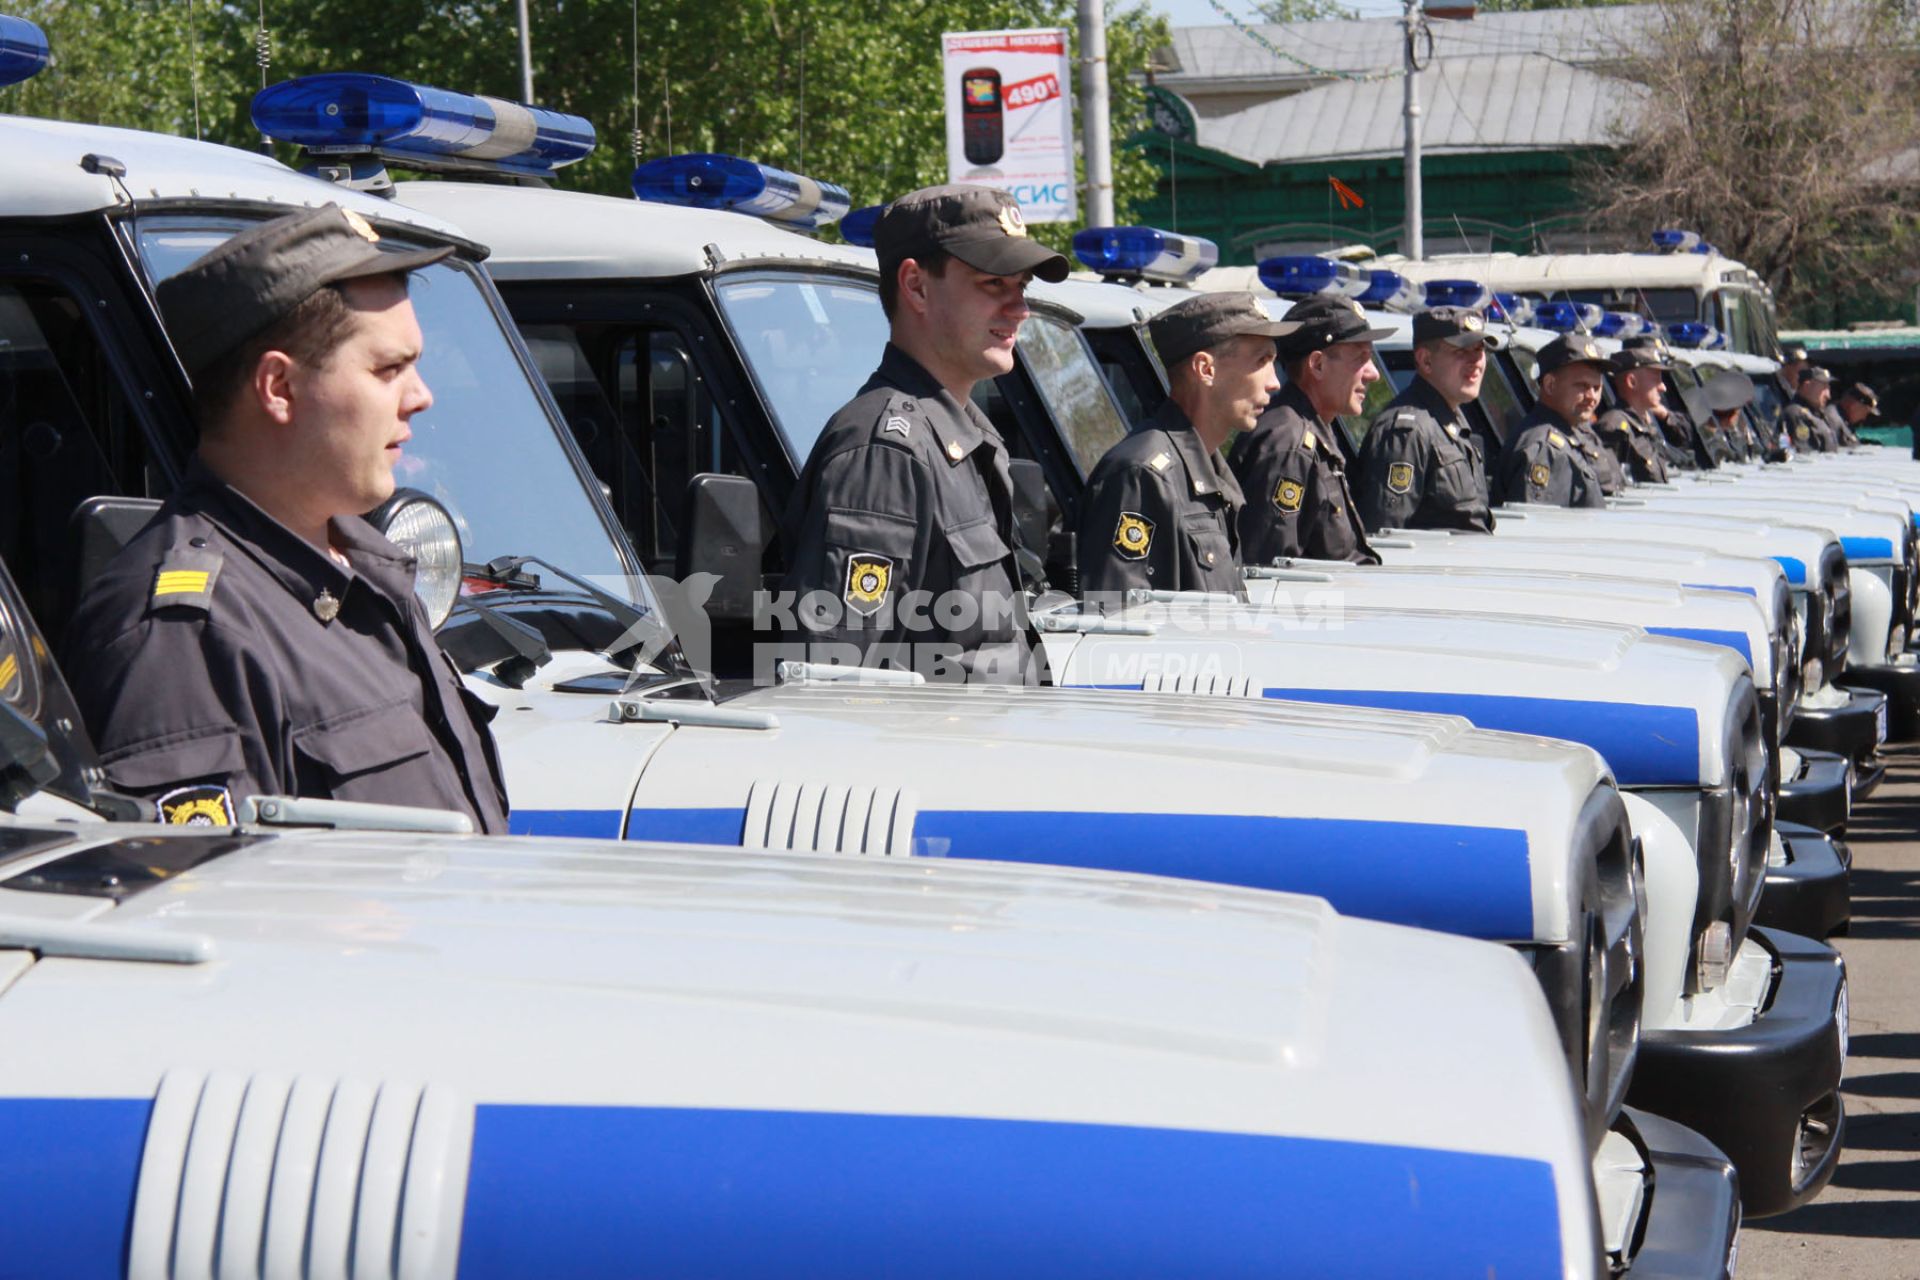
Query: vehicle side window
x=1498, y=404
x=1079, y=398
x=67, y=433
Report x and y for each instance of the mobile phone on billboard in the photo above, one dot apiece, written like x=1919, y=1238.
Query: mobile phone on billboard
x=982, y=120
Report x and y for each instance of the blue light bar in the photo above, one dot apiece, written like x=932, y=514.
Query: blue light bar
x=1695, y=334
x=1568, y=317
x=1391, y=291
x=1459, y=293
x=1303, y=275
x=707, y=180
x=1674, y=241
x=1145, y=252
x=24, y=52
x=1515, y=308
x=1622, y=324
x=858, y=227
x=419, y=126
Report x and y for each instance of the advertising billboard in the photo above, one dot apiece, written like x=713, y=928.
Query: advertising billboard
x=1010, y=117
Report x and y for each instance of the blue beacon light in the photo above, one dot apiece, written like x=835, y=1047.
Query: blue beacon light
x=1622, y=324
x=1517, y=308
x=1391, y=291
x=1568, y=317
x=1694, y=334
x=859, y=226
x=708, y=180
x=1146, y=252
x=419, y=126
x=24, y=52
x=1304, y=275
x=1459, y=293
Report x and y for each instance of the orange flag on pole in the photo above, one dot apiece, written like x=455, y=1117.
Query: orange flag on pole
x=1349, y=198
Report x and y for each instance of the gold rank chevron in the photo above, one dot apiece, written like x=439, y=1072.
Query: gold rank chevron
x=180, y=582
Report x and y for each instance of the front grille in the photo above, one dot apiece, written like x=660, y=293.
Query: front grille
x=1839, y=607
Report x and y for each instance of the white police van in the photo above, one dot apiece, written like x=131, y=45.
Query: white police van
x=670, y=265
x=612, y=746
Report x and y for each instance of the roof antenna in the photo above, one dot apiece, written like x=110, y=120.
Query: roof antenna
x=263, y=54
x=638, y=142
x=193, y=53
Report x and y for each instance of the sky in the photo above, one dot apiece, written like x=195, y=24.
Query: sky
x=1197, y=13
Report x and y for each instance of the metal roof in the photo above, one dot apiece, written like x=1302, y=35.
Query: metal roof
x=1221, y=57
x=1517, y=102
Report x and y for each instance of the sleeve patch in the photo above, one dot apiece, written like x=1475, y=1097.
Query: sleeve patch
x=1133, y=536
x=1541, y=475
x=868, y=577
x=1289, y=494
x=1400, y=477
x=197, y=806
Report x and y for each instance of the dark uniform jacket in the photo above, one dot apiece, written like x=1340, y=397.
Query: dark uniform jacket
x=907, y=498
x=1841, y=433
x=1420, y=467
x=1613, y=477
x=1721, y=444
x=220, y=655
x=1298, y=503
x=1808, y=429
x=1635, y=445
x=1545, y=462
x=1161, y=511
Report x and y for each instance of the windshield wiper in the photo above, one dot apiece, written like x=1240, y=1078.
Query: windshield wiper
x=640, y=629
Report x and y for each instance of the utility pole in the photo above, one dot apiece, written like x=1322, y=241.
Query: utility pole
x=526, y=55
x=1411, y=241
x=1095, y=117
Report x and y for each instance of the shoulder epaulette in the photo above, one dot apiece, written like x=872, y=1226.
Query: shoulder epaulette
x=185, y=578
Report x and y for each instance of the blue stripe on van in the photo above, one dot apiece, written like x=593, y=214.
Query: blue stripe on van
x=596, y=824
x=1867, y=548
x=68, y=1171
x=1643, y=745
x=759, y=1195
x=1796, y=568
x=1715, y=586
x=1476, y=881
x=1735, y=640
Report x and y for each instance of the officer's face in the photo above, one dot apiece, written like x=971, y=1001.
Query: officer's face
x=1455, y=372
x=973, y=318
x=1852, y=410
x=1643, y=389
x=1816, y=393
x=1572, y=391
x=1243, y=380
x=1347, y=374
x=350, y=414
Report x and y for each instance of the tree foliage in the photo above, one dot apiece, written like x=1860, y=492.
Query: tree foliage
x=848, y=90
x=1304, y=10
x=1784, y=131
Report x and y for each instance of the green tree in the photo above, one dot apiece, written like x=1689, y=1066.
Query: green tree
x=1304, y=10
x=847, y=90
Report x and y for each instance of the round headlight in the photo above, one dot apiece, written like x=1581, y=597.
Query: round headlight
x=424, y=529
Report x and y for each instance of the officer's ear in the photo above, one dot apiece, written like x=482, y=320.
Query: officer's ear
x=1204, y=367
x=271, y=386
x=912, y=292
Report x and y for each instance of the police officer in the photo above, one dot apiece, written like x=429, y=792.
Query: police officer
x=902, y=524
x=1793, y=359
x=1298, y=503
x=1806, y=420
x=1725, y=396
x=258, y=636
x=1857, y=403
x=1162, y=508
x=1547, y=459
x=1631, y=432
x=1420, y=466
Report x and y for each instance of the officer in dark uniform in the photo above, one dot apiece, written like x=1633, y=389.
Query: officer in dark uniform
x=1857, y=403
x=901, y=528
x=258, y=636
x=1724, y=397
x=1546, y=459
x=1631, y=432
x=1162, y=508
x=1298, y=503
x=1806, y=419
x=1420, y=466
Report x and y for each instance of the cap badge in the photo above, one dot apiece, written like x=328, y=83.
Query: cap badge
x=326, y=606
x=868, y=577
x=1590, y=351
x=1471, y=323
x=361, y=227
x=1132, y=536
x=1357, y=308
x=1011, y=222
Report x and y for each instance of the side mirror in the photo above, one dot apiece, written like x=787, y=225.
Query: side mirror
x=26, y=758
x=104, y=525
x=725, y=534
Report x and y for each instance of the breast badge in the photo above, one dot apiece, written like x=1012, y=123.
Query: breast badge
x=868, y=577
x=1133, y=536
x=1288, y=495
x=1400, y=477
x=200, y=806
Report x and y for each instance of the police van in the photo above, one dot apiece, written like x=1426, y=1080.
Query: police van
x=672, y=282
x=609, y=731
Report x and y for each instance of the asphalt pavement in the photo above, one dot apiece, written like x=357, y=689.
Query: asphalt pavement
x=1866, y=1225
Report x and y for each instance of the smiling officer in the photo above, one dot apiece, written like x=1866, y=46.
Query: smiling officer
x=1299, y=503
x=1552, y=457
x=1162, y=508
x=1420, y=465
x=902, y=525
x=258, y=637
x=1632, y=431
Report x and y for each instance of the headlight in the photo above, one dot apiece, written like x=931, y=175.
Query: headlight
x=1813, y=674
x=424, y=529
x=1713, y=955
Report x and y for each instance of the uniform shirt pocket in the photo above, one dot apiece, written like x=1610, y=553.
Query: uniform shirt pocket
x=177, y=757
x=1207, y=542
x=346, y=756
